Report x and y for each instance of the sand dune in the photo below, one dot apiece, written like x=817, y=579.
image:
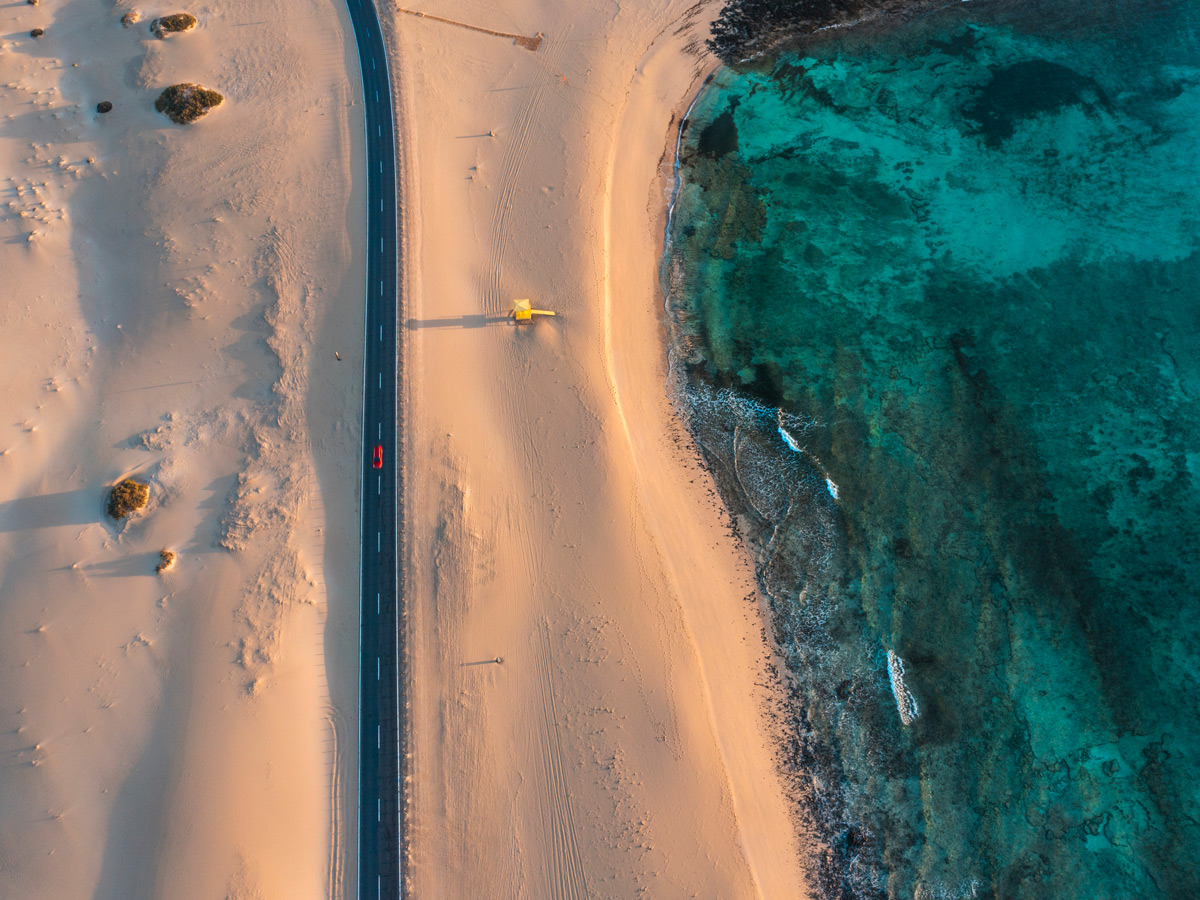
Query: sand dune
x=172, y=299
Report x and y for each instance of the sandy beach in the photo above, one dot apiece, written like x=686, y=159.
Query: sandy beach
x=586, y=641
x=559, y=519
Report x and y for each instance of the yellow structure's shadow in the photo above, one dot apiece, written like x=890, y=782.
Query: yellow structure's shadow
x=474, y=321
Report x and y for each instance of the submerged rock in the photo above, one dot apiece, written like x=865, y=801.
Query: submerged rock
x=748, y=28
x=104, y=106
x=1025, y=90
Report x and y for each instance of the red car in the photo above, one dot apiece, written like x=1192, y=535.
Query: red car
x=377, y=458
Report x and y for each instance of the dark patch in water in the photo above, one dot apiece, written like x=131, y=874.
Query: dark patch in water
x=961, y=44
x=1026, y=90
x=720, y=137
x=795, y=84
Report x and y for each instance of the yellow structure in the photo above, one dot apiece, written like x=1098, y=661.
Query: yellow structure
x=523, y=311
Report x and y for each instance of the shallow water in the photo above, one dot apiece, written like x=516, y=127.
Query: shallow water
x=935, y=294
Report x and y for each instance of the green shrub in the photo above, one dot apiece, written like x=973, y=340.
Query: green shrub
x=165, y=25
x=127, y=497
x=184, y=103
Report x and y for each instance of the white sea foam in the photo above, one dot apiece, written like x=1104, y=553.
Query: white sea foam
x=906, y=703
x=676, y=179
x=796, y=448
x=961, y=891
x=788, y=439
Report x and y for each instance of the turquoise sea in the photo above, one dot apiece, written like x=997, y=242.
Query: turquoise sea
x=934, y=291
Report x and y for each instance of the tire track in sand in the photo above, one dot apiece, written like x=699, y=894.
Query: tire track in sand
x=566, y=877
x=514, y=158
x=336, y=764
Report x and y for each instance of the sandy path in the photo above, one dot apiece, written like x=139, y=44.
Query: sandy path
x=557, y=520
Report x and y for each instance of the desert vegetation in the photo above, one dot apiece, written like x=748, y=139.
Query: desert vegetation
x=127, y=497
x=166, y=559
x=172, y=24
x=185, y=103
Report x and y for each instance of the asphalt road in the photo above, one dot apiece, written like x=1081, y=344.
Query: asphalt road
x=380, y=743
